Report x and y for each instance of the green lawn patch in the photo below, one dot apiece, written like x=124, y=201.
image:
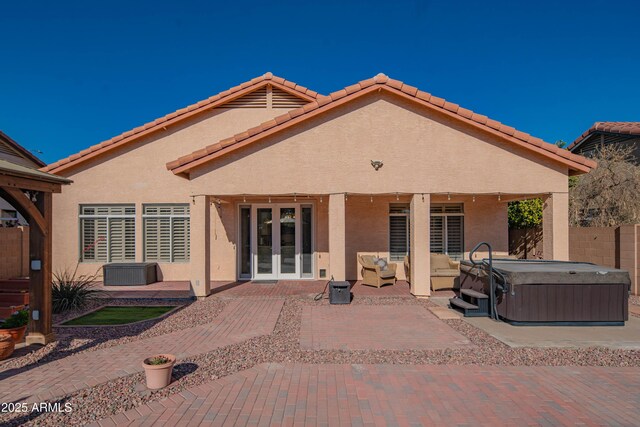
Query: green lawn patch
x=119, y=315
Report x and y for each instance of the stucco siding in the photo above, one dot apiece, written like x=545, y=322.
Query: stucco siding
x=330, y=154
x=137, y=174
x=422, y=153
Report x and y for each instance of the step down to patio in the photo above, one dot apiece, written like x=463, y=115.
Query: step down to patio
x=472, y=303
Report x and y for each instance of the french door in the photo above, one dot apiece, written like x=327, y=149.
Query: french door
x=276, y=241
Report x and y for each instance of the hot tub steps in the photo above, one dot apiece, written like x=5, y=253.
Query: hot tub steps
x=471, y=303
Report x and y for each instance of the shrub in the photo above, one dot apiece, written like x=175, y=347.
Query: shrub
x=71, y=291
x=16, y=320
x=157, y=360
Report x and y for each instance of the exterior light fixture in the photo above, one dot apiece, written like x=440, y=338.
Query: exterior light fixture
x=377, y=164
x=448, y=196
x=269, y=199
x=397, y=197
x=320, y=199
x=499, y=197
x=371, y=198
x=346, y=197
x=474, y=199
x=244, y=199
x=295, y=198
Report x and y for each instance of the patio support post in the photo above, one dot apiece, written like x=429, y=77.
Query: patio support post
x=40, y=275
x=419, y=223
x=200, y=246
x=555, y=227
x=337, y=236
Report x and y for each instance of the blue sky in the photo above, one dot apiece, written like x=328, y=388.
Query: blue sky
x=75, y=73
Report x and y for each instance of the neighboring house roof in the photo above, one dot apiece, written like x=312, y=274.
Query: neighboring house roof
x=181, y=115
x=20, y=150
x=619, y=128
x=185, y=164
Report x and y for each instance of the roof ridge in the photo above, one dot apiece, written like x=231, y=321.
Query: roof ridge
x=172, y=118
x=197, y=157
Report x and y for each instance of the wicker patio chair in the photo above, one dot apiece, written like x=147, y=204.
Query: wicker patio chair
x=373, y=275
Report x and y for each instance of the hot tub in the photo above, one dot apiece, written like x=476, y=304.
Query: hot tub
x=554, y=292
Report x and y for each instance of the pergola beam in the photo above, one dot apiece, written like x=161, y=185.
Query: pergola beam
x=28, y=208
x=17, y=182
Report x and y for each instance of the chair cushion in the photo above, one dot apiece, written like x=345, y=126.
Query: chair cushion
x=387, y=274
x=439, y=261
x=445, y=272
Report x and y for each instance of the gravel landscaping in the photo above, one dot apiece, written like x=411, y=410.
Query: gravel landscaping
x=72, y=340
x=283, y=346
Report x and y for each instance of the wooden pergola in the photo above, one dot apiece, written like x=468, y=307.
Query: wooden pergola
x=30, y=191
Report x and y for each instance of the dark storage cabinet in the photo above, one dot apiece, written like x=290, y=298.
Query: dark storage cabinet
x=130, y=274
x=339, y=292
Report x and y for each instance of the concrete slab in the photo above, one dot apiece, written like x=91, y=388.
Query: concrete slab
x=444, y=313
x=617, y=337
x=625, y=337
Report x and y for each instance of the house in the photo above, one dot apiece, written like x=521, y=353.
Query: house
x=29, y=192
x=605, y=133
x=271, y=180
x=13, y=152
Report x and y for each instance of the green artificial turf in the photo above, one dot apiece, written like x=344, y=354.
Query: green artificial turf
x=119, y=315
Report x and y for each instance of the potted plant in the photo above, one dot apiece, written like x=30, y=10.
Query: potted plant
x=6, y=346
x=158, y=370
x=16, y=325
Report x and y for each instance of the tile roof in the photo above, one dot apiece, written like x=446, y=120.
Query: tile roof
x=186, y=163
x=622, y=128
x=180, y=115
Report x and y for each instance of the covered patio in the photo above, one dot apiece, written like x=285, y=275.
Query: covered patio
x=238, y=238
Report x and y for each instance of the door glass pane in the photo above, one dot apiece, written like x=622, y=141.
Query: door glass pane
x=245, y=241
x=265, y=241
x=306, y=241
x=288, y=240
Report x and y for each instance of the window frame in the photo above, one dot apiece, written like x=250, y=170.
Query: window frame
x=445, y=225
x=171, y=218
x=82, y=216
x=406, y=207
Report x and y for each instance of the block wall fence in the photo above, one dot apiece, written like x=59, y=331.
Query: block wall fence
x=616, y=247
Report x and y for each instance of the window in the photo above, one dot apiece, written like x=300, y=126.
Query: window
x=447, y=229
x=107, y=233
x=166, y=233
x=398, y=231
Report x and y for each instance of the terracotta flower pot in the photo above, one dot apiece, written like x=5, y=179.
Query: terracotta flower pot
x=17, y=334
x=6, y=346
x=159, y=376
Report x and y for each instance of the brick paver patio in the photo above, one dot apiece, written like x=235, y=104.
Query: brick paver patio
x=297, y=394
x=376, y=327
x=302, y=287
x=240, y=320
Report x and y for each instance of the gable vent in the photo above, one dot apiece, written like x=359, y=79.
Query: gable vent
x=255, y=99
x=282, y=99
